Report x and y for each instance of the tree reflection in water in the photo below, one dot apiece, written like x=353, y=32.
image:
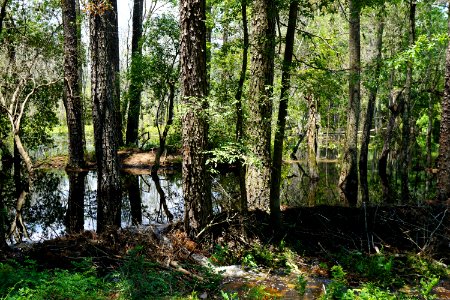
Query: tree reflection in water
x=74, y=220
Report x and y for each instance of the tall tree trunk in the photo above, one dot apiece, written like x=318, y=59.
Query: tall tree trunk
x=406, y=130
x=239, y=108
x=282, y=113
x=313, y=169
x=134, y=92
x=370, y=111
x=260, y=104
x=194, y=87
x=113, y=31
x=348, y=180
x=443, y=176
x=72, y=98
x=104, y=117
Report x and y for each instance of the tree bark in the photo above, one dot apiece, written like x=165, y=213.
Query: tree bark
x=194, y=87
x=163, y=136
x=282, y=114
x=312, y=145
x=239, y=108
x=443, y=176
x=260, y=104
x=348, y=180
x=3, y=14
x=135, y=90
x=395, y=108
x=370, y=111
x=72, y=98
x=113, y=31
x=406, y=130
x=105, y=123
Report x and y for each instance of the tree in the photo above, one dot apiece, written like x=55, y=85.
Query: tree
x=405, y=157
x=72, y=89
x=282, y=113
x=239, y=109
x=103, y=115
x=113, y=31
x=373, y=89
x=260, y=104
x=443, y=178
x=194, y=87
x=134, y=92
x=348, y=180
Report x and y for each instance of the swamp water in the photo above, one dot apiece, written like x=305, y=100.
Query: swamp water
x=49, y=211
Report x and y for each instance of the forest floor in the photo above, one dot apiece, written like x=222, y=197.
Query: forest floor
x=322, y=252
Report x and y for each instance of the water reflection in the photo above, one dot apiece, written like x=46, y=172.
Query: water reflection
x=62, y=203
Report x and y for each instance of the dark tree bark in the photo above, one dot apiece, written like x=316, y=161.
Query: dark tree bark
x=405, y=156
x=72, y=98
x=194, y=86
x=239, y=108
x=395, y=107
x=370, y=112
x=104, y=117
x=134, y=92
x=443, y=176
x=282, y=113
x=75, y=203
x=312, y=136
x=348, y=180
x=113, y=31
x=163, y=135
x=260, y=104
x=2, y=14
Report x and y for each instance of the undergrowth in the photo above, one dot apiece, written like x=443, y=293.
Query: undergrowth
x=135, y=278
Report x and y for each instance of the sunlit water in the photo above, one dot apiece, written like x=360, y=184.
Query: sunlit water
x=46, y=212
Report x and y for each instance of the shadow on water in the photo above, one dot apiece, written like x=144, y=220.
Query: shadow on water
x=63, y=202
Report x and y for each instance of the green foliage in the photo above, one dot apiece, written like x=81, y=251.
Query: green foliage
x=229, y=296
x=27, y=282
x=300, y=285
x=222, y=256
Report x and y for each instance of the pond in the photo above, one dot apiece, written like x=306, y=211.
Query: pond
x=62, y=202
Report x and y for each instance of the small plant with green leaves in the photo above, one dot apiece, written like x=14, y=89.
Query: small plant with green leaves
x=229, y=296
x=426, y=287
x=300, y=285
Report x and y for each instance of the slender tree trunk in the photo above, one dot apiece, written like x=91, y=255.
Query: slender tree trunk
x=2, y=14
x=429, y=165
x=194, y=89
x=282, y=113
x=163, y=136
x=395, y=108
x=370, y=111
x=406, y=130
x=348, y=181
x=443, y=176
x=260, y=104
x=23, y=153
x=313, y=169
x=105, y=123
x=239, y=109
x=72, y=98
x=113, y=31
x=134, y=92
